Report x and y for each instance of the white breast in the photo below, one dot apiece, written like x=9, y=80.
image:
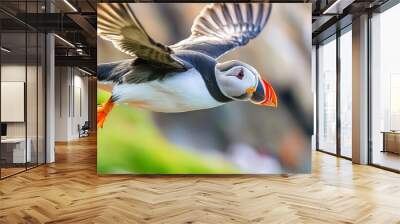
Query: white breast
x=179, y=92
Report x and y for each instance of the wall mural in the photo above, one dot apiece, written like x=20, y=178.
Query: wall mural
x=193, y=88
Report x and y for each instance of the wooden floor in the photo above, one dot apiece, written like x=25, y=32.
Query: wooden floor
x=5, y=172
x=70, y=191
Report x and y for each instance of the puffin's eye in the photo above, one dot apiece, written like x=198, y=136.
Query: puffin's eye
x=240, y=75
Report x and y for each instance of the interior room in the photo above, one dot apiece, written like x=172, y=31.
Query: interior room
x=30, y=96
x=49, y=102
x=72, y=103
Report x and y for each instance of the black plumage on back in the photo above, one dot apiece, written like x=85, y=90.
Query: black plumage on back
x=133, y=71
x=145, y=71
x=114, y=71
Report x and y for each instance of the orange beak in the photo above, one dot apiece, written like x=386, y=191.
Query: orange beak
x=265, y=95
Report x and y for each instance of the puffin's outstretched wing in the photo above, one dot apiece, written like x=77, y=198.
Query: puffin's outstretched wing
x=117, y=22
x=222, y=27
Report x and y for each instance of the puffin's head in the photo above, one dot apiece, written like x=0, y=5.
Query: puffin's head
x=240, y=81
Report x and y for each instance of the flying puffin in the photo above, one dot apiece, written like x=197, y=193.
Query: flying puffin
x=185, y=76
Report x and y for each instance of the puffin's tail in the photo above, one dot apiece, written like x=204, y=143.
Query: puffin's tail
x=103, y=111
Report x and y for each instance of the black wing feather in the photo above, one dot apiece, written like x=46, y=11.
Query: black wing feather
x=222, y=27
x=118, y=23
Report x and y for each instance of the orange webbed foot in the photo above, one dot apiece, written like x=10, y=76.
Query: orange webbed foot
x=100, y=117
x=103, y=111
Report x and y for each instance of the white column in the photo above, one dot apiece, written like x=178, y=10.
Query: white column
x=360, y=90
x=50, y=100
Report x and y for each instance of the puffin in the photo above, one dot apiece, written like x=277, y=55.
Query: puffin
x=185, y=76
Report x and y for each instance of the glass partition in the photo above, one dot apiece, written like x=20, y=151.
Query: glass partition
x=14, y=145
x=32, y=98
x=41, y=97
x=22, y=78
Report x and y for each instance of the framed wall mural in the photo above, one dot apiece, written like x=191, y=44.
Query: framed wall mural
x=204, y=88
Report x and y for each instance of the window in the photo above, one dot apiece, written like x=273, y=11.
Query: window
x=346, y=93
x=327, y=97
x=385, y=89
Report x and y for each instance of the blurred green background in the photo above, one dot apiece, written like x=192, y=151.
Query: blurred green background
x=131, y=143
